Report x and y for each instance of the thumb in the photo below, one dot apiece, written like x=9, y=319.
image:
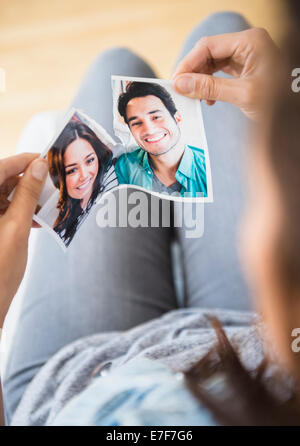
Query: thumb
x=209, y=88
x=27, y=193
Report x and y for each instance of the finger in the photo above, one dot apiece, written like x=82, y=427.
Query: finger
x=210, y=88
x=8, y=186
x=4, y=203
x=209, y=50
x=27, y=193
x=4, y=207
x=14, y=165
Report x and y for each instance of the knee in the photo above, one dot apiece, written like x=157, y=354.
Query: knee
x=223, y=22
x=115, y=52
x=110, y=55
x=114, y=55
x=122, y=61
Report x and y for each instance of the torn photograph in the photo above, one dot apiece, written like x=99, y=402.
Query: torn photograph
x=159, y=148
x=164, y=138
x=80, y=170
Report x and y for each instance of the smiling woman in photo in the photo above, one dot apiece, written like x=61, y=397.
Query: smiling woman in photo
x=78, y=164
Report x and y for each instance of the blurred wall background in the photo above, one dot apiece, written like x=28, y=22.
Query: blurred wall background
x=47, y=45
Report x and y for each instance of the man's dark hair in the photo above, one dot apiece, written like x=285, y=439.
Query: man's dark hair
x=141, y=89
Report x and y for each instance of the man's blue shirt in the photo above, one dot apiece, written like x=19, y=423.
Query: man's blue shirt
x=134, y=168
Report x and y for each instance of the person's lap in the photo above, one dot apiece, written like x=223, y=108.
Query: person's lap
x=108, y=280
x=113, y=279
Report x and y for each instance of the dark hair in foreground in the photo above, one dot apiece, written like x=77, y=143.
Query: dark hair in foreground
x=70, y=208
x=247, y=398
x=142, y=89
x=254, y=402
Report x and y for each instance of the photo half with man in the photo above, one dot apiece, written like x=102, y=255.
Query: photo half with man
x=164, y=138
x=159, y=147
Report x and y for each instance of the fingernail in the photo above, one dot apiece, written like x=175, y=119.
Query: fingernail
x=185, y=84
x=39, y=169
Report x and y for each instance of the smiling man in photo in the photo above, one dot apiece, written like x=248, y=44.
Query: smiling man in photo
x=163, y=162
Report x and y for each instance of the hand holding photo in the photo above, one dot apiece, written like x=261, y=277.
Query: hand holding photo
x=164, y=137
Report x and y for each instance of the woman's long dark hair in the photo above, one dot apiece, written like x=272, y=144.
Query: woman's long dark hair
x=244, y=398
x=70, y=208
x=252, y=402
